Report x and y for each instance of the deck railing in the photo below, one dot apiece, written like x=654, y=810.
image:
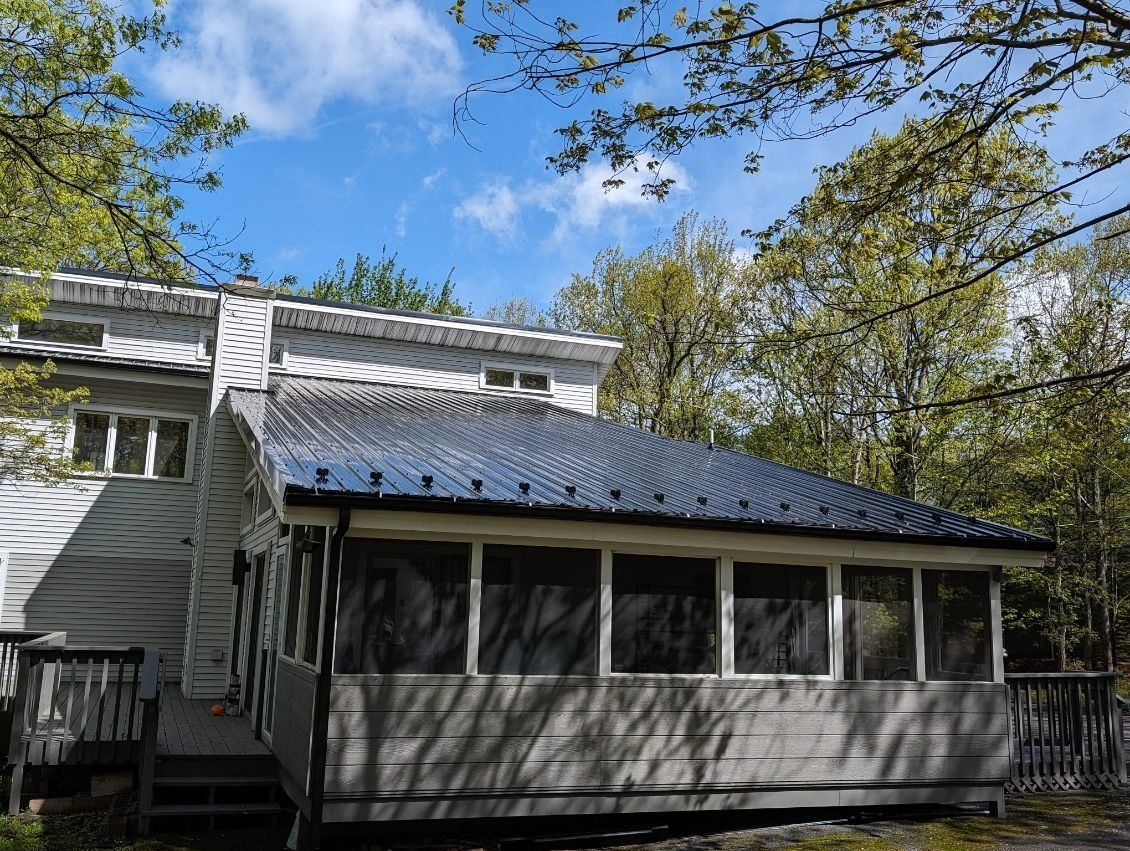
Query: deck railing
x=10, y=641
x=1065, y=732
x=80, y=705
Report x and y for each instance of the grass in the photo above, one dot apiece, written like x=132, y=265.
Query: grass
x=1052, y=819
x=94, y=831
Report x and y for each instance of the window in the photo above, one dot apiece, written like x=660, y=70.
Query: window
x=88, y=333
x=206, y=347
x=131, y=443
x=403, y=607
x=780, y=619
x=294, y=592
x=504, y=377
x=247, y=508
x=878, y=624
x=263, y=507
x=278, y=354
x=539, y=610
x=663, y=615
x=312, y=594
x=956, y=606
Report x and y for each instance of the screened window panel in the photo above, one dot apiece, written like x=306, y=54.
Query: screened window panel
x=403, y=607
x=64, y=331
x=879, y=624
x=131, y=444
x=312, y=595
x=293, y=593
x=539, y=610
x=663, y=615
x=780, y=619
x=170, y=453
x=92, y=431
x=956, y=605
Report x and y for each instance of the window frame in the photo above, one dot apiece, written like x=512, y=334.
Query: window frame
x=264, y=507
x=60, y=316
x=285, y=364
x=517, y=369
x=302, y=603
x=829, y=614
x=201, y=344
x=114, y=411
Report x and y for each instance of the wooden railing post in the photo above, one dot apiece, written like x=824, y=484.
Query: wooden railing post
x=17, y=746
x=149, y=693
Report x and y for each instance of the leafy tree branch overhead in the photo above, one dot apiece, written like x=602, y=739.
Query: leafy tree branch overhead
x=971, y=69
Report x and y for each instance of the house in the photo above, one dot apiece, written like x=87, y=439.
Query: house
x=446, y=589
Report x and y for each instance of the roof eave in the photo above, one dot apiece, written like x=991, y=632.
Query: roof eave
x=303, y=497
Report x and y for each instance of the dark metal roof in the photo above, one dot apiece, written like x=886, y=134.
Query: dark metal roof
x=97, y=359
x=323, y=441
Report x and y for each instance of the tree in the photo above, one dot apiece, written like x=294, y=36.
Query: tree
x=669, y=303
x=381, y=283
x=90, y=170
x=90, y=173
x=973, y=67
x=825, y=268
x=518, y=310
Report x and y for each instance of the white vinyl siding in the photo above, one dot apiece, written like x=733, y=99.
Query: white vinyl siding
x=322, y=355
x=105, y=563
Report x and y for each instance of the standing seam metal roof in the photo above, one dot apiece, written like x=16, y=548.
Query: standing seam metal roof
x=322, y=440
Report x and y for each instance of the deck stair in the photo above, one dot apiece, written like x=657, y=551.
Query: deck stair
x=228, y=788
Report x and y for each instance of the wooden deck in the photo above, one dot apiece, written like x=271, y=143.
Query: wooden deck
x=188, y=728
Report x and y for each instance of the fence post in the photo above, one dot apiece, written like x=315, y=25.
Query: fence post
x=17, y=755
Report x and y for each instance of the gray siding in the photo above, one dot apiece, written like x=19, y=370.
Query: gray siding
x=323, y=355
x=458, y=738
x=294, y=708
x=102, y=559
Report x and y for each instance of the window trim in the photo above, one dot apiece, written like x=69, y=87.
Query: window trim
x=60, y=316
x=114, y=411
x=517, y=369
x=285, y=354
x=262, y=494
x=303, y=585
x=252, y=518
x=201, y=351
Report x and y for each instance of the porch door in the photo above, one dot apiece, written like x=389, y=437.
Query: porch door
x=254, y=626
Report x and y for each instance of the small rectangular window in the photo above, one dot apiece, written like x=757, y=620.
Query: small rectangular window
x=92, y=434
x=67, y=332
x=206, y=347
x=499, y=377
x=539, y=610
x=534, y=381
x=956, y=607
x=780, y=619
x=131, y=445
x=663, y=615
x=277, y=354
x=878, y=623
x=247, y=507
x=293, y=592
x=403, y=607
x=312, y=595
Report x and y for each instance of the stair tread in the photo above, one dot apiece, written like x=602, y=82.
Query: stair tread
x=211, y=809
x=228, y=780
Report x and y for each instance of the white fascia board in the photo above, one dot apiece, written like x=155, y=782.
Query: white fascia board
x=600, y=350
x=75, y=288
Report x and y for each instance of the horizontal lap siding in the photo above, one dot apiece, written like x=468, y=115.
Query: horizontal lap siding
x=103, y=558
x=392, y=735
x=143, y=334
x=397, y=362
x=294, y=707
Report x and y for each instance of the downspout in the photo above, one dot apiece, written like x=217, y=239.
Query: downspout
x=319, y=727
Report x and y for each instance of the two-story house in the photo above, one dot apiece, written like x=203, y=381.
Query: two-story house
x=447, y=589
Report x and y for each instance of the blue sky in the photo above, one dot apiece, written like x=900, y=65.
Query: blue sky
x=351, y=147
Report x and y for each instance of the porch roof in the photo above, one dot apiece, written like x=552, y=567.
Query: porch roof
x=324, y=441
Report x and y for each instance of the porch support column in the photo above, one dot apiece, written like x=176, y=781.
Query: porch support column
x=474, y=608
x=836, y=605
x=604, y=621
x=996, y=625
x=919, y=627
x=726, y=616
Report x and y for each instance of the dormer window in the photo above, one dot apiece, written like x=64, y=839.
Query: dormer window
x=494, y=376
x=80, y=333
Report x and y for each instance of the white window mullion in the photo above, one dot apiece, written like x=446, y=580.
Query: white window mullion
x=604, y=621
x=919, y=628
x=111, y=442
x=151, y=448
x=474, y=607
x=996, y=625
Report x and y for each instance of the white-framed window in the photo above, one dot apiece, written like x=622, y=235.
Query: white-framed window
x=515, y=377
x=263, y=506
x=278, y=354
x=301, y=633
x=59, y=329
x=206, y=345
x=132, y=442
x=247, y=508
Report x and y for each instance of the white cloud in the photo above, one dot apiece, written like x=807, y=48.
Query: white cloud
x=280, y=61
x=578, y=202
x=494, y=208
x=430, y=180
